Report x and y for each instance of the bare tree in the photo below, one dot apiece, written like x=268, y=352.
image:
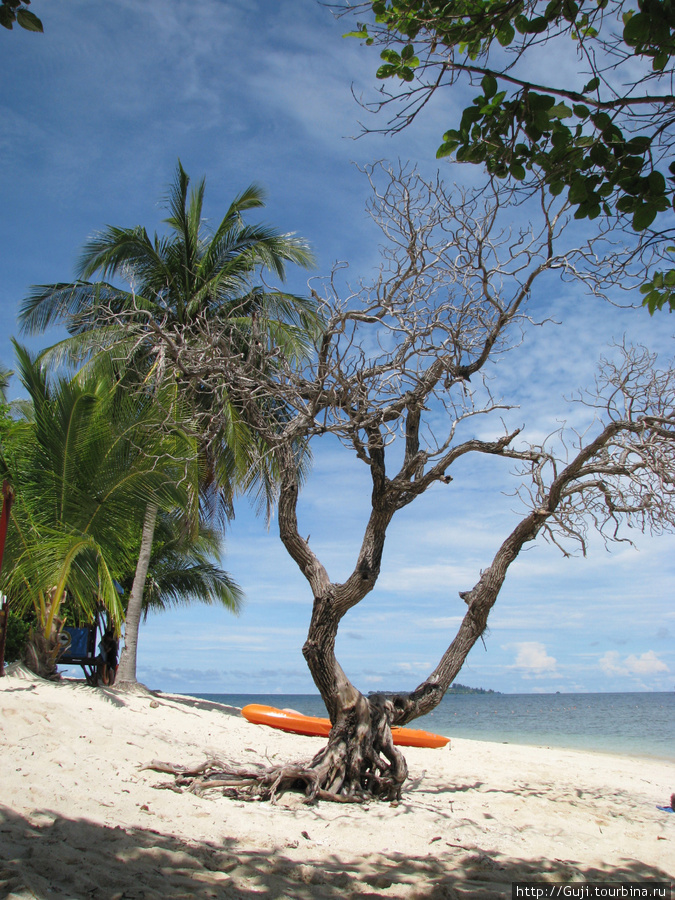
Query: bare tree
x=400, y=376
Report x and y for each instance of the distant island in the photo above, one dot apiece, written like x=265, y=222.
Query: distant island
x=457, y=688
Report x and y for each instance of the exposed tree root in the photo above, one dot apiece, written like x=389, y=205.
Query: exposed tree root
x=359, y=763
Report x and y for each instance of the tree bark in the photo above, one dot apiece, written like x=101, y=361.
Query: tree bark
x=126, y=673
x=360, y=759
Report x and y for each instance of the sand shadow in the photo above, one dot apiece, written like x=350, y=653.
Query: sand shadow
x=49, y=857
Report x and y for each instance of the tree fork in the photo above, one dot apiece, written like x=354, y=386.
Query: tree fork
x=403, y=380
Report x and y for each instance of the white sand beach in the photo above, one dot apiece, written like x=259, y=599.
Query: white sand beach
x=81, y=818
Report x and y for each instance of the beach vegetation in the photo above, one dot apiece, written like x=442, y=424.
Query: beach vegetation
x=5, y=376
x=189, y=280
x=84, y=459
x=595, y=126
x=18, y=635
x=457, y=688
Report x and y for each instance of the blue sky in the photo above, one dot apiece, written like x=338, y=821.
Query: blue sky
x=94, y=115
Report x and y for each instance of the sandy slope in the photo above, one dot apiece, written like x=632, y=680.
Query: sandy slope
x=81, y=818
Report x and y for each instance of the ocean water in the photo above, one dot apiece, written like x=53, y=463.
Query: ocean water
x=632, y=724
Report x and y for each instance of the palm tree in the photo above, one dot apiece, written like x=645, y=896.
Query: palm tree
x=5, y=375
x=185, y=566
x=181, y=279
x=84, y=460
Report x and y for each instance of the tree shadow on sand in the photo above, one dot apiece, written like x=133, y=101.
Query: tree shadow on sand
x=48, y=857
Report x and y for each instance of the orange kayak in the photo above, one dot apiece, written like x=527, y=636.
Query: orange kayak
x=297, y=723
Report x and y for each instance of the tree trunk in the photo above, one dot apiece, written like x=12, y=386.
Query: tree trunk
x=126, y=673
x=360, y=759
x=7, y=500
x=43, y=646
x=41, y=653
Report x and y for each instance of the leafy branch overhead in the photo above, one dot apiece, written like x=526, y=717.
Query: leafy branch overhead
x=606, y=140
x=12, y=11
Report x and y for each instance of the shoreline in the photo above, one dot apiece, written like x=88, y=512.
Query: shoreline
x=440, y=722
x=81, y=818
x=478, y=740
x=590, y=750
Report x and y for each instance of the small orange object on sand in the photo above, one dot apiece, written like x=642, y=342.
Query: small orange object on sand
x=297, y=723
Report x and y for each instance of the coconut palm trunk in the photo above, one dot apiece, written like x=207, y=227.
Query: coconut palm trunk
x=126, y=674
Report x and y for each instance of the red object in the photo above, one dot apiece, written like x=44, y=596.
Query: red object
x=7, y=499
x=297, y=723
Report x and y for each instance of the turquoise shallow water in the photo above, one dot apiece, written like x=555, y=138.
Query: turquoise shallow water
x=635, y=724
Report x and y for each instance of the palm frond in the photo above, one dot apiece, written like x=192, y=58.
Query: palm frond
x=179, y=278
x=5, y=375
x=185, y=567
x=84, y=465
x=81, y=306
x=182, y=582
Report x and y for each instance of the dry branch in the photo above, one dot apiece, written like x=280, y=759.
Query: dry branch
x=399, y=375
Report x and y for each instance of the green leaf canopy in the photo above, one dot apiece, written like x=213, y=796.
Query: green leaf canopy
x=84, y=459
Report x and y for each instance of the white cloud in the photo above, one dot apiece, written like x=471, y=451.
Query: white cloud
x=533, y=658
x=647, y=663
x=609, y=663
x=419, y=665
